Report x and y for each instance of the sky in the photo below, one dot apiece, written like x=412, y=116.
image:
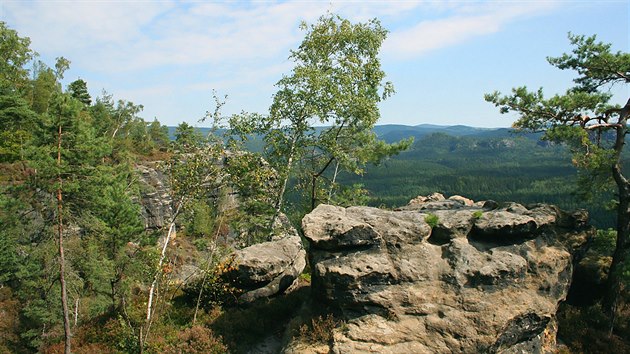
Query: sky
x=441, y=56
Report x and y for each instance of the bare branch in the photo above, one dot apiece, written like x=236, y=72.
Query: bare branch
x=623, y=75
x=602, y=125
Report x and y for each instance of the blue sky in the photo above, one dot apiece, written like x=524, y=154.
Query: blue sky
x=441, y=56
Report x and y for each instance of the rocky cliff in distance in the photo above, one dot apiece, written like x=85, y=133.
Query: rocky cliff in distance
x=155, y=197
x=442, y=275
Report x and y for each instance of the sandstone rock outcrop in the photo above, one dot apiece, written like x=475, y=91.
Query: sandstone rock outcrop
x=155, y=197
x=478, y=279
x=268, y=268
x=155, y=194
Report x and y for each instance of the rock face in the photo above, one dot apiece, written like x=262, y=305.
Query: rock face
x=475, y=280
x=155, y=198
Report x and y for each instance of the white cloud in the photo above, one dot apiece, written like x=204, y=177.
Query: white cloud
x=365, y=10
x=112, y=36
x=167, y=53
x=469, y=21
x=211, y=33
x=73, y=26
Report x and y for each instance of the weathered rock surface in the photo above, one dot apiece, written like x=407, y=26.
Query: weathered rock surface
x=484, y=279
x=268, y=268
x=155, y=198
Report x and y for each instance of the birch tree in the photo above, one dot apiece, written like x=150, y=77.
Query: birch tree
x=336, y=82
x=192, y=170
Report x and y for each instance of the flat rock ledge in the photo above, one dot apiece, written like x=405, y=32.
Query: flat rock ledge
x=442, y=275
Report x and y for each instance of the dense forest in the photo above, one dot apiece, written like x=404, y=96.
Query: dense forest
x=77, y=258
x=102, y=213
x=100, y=209
x=498, y=165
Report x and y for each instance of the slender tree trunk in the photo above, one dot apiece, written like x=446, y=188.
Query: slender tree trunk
x=62, y=260
x=313, y=191
x=285, y=180
x=619, y=261
x=141, y=341
x=76, y=312
x=622, y=247
x=321, y=172
x=314, y=182
x=171, y=230
x=21, y=148
x=332, y=184
x=208, y=264
x=203, y=280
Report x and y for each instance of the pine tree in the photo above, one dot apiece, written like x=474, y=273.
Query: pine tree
x=78, y=90
x=595, y=130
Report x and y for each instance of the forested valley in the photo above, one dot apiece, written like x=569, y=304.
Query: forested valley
x=116, y=232
x=82, y=266
x=499, y=165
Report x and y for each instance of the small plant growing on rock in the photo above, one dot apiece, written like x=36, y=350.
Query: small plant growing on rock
x=305, y=277
x=432, y=220
x=477, y=214
x=320, y=330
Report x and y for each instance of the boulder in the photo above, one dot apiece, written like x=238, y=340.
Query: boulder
x=466, y=201
x=503, y=223
x=437, y=201
x=267, y=268
x=480, y=280
x=452, y=224
x=419, y=200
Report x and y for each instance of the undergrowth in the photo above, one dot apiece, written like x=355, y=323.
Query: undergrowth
x=242, y=327
x=319, y=330
x=584, y=330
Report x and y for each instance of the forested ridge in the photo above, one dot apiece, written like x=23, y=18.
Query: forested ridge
x=512, y=167
x=479, y=163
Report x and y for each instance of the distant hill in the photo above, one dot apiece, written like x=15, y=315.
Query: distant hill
x=203, y=130
x=394, y=132
x=391, y=133
x=480, y=163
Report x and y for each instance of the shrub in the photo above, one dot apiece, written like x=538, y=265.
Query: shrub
x=120, y=336
x=584, y=330
x=305, y=278
x=320, y=330
x=197, y=339
x=217, y=290
x=432, y=220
